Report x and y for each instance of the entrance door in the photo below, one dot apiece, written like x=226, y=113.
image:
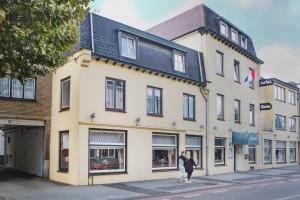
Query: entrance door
x=2, y=139
x=10, y=140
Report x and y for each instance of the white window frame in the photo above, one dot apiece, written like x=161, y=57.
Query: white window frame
x=189, y=106
x=226, y=28
x=222, y=107
x=63, y=81
x=108, y=145
x=127, y=37
x=237, y=74
x=222, y=63
x=281, y=146
x=282, y=122
x=223, y=148
x=292, y=124
x=279, y=93
x=178, y=65
x=165, y=145
x=237, y=102
x=236, y=40
x=244, y=45
x=252, y=115
x=291, y=97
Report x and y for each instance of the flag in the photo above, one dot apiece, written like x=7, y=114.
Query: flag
x=250, y=77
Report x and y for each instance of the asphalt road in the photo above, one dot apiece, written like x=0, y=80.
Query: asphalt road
x=288, y=189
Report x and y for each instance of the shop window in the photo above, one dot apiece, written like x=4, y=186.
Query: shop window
x=193, y=144
x=280, y=151
x=268, y=151
x=64, y=151
x=107, y=151
x=164, y=151
x=219, y=151
x=292, y=151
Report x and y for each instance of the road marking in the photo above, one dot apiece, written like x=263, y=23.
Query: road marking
x=294, y=180
x=280, y=182
x=289, y=197
x=219, y=191
x=246, y=187
x=194, y=195
x=264, y=185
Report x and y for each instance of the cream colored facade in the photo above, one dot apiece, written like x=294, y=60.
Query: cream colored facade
x=268, y=126
x=235, y=154
x=88, y=96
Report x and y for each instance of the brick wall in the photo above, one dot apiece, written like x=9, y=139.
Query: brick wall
x=38, y=110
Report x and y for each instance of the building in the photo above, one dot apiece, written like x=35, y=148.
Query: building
x=229, y=57
x=25, y=112
x=124, y=106
x=279, y=116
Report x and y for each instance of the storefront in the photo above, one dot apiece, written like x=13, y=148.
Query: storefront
x=245, y=150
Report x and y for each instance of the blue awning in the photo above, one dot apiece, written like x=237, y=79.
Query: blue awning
x=245, y=138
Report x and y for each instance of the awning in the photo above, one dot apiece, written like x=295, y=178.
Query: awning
x=245, y=138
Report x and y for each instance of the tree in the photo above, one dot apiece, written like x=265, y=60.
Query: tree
x=35, y=34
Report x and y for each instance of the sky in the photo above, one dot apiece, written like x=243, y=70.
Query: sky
x=273, y=25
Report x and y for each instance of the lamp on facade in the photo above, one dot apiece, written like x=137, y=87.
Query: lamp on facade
x=137, y=121
x=174, y=123
x=93, y=116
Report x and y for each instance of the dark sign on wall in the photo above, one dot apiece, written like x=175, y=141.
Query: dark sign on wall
x=265, y=82
x=265, y=106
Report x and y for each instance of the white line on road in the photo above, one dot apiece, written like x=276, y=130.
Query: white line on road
x=280, y=182
x=264, y=185
x=219, y=191
x=246, y=187
x=289, y=197
x=194, y=195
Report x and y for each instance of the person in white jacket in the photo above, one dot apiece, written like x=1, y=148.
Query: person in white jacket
x=181, y=166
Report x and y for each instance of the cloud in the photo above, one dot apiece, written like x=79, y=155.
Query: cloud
x=124, y=11
x=281, y=61
x=262, y=4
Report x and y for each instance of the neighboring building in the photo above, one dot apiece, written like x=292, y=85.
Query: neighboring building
x=229, y=56
x=279, y=116
x=25, y=122
x=124, y=106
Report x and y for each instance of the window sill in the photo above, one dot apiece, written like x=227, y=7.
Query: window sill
x=115, y=110
x=281, y=162
x=18, y=99
x=293, y=130
x=253, y=125
x=107, y=173
x=268, y=163
x=154, y=115
x=220, y=165
x=221, y=119
x=293, y=162
x=189, y=119
x=222, y=75
x=164, y=170
x=63, y=171
x=238, y=122
x=252, y=163
x=64, y=109
x=280, y=129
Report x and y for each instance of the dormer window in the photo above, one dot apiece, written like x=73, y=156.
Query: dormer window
x=224, y=29
x=244, y=41
x=179, y=64
x=234, y=35
x=128, y=46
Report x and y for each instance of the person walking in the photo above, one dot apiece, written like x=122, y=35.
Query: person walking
x=189, y=166
x=181, y=166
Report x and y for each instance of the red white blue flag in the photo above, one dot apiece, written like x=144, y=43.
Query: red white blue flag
x=250, y=77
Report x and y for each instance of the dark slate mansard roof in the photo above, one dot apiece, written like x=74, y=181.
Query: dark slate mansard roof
x=202, y=19
x=153, y=52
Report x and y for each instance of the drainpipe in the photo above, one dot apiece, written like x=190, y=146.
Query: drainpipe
x=92, y=31
x=206, y=116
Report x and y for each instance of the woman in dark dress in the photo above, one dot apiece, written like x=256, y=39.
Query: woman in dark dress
x=189, y=166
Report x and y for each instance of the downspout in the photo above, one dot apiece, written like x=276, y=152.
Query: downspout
x=92, y=31
x=206, y=118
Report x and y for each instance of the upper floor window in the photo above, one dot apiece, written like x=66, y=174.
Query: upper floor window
x=292, y=97
x=219, y=63
x=252, y=79
x=13, y=88
x=179, y=63
x=224, y=29
x=65, y=93
x=115, y=95
x=252, y=114
x=237, y=111
x=237, y=76
x=280, y=122
x=234, y=35
x=292, y=124
x=244, y=41
x=188, y=107
x=154, y=101
x=220, y=106
x=128, y=46
x=279, y=93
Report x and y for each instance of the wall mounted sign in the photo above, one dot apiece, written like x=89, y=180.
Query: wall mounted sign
x=265, y=82
x=265, y=106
